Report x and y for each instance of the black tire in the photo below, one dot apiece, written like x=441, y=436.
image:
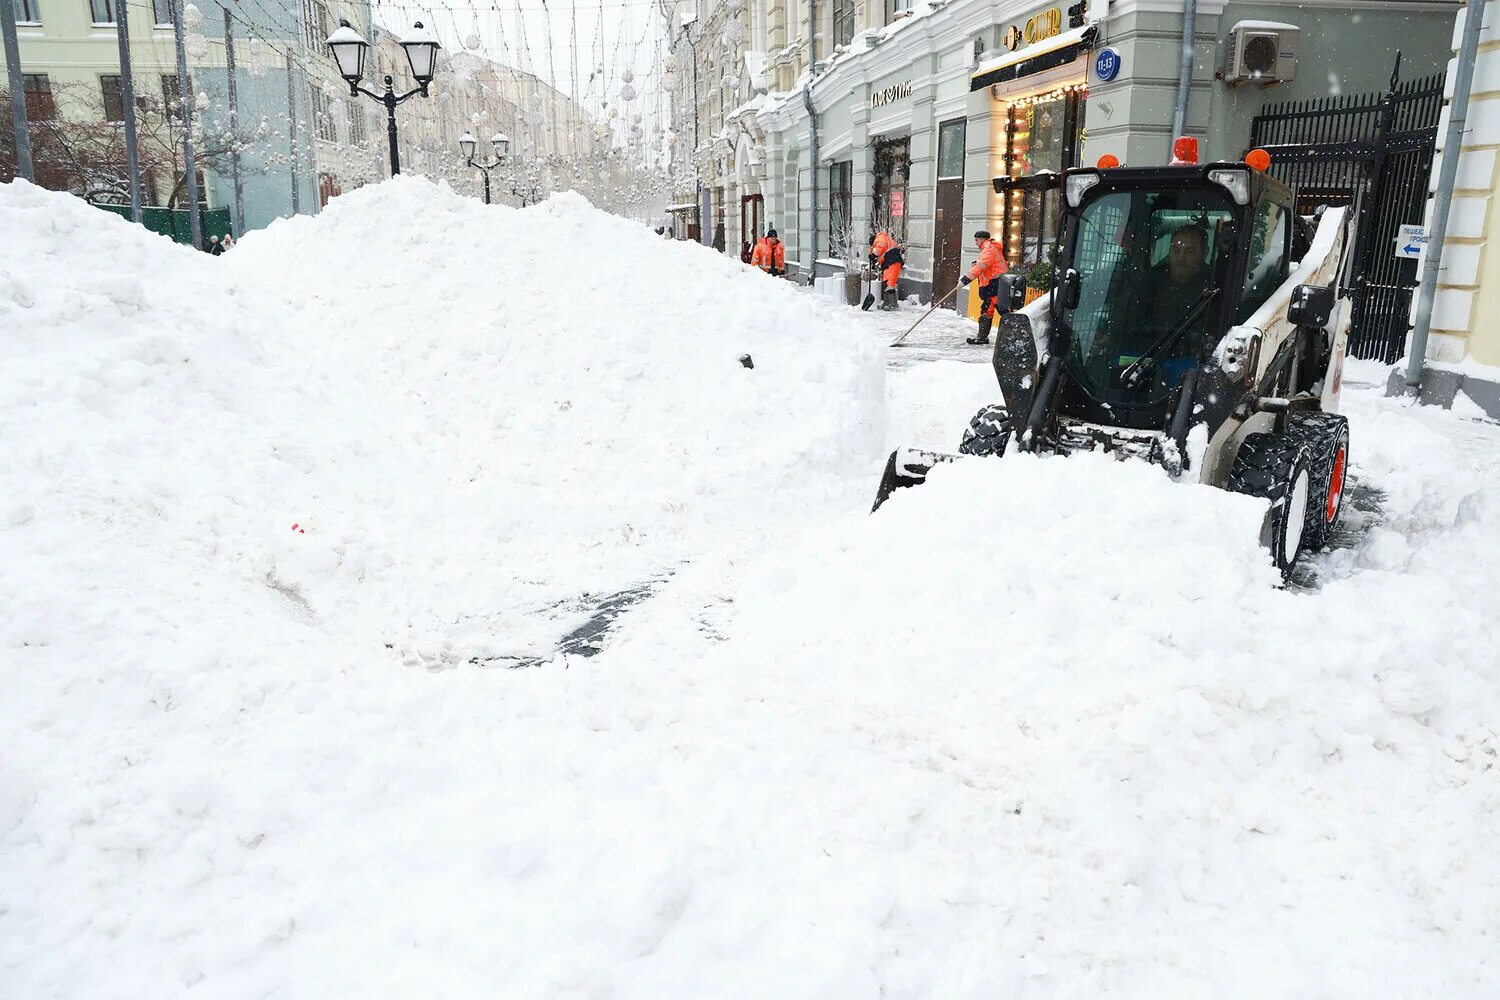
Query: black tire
x=988, y=433
x=1325, y=436
x=1275, y=467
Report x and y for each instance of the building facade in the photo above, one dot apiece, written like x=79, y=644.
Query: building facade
x=1462, y=342
x=913, y=112
x=287, y=136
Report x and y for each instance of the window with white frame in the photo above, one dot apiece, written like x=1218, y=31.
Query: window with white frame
x=102, y=11
x=114, y=101
x=28, y=12
x=161, y=13
x=323, y=117
x=358, y=132
x=843, y=22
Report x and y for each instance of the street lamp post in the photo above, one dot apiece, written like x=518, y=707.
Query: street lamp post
x=349, y=49
x=501, y=144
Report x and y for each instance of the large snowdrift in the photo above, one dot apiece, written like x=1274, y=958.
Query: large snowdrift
x=475, y=414
x=1041, y=728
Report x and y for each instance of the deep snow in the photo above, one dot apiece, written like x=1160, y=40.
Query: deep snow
x=1041, y=728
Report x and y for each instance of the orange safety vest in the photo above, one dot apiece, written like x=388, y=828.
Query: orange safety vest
x=991, y=263
x=769, y=255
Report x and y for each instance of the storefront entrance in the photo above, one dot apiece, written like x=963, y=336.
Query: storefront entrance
x=892, y=169
x=1043, y=137
x=948, y=220
x=752, y=218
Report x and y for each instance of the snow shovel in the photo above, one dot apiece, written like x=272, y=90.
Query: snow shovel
x=897, y=341
x=869, y=283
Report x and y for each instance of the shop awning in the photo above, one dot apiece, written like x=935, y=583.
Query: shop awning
x=1058, y=50
x=687, y=206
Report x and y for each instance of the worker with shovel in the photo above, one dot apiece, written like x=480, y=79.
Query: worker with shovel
x=987, y=271
x=769, y=254
x=885, y=255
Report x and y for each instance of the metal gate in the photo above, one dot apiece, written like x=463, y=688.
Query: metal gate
x=1373, y=152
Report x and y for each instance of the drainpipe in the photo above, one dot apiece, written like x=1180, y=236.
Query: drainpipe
x=1185, y=69
x=1458, y=111
x=812, y=131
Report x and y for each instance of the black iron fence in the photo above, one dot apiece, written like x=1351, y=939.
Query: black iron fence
x=1372, y=151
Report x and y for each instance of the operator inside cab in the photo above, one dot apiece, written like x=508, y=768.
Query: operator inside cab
x=1178, y=286
x=1173, y=290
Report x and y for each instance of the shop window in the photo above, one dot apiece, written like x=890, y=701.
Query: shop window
x=114, y=104
x=40, y=105
x=1043, y=134
x=892, y=169
x=951, y=150
x=843, y=22
x=102, y=11
x=840, y=204
x=1268, y=262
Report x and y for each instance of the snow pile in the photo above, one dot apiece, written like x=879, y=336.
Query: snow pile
x=1040, y=728
x=472, y=414
x=1048, y=728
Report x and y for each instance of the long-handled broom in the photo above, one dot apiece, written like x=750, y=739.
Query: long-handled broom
x=929, y=312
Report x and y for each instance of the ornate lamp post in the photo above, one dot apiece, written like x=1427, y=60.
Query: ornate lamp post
x=349, y=49
x=501, y=144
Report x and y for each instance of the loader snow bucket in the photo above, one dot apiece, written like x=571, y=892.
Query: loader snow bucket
x=906, y=467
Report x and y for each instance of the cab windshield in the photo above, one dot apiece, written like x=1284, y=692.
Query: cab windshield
x=1148, y=265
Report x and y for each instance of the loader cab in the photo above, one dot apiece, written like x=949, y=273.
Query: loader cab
x=1160, y=256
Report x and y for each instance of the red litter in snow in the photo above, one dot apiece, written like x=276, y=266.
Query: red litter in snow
x=298, y=529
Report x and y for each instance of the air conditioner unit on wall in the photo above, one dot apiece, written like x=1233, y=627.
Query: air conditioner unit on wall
x=1263, y=52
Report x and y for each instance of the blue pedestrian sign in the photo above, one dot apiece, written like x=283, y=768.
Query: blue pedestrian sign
x=1411, y=241
x=1107, y=63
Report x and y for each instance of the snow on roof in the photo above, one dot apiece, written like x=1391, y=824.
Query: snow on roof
x=1263, y=26
x=1052, y=44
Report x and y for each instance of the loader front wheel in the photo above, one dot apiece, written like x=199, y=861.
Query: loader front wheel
x=1275, y=467
x=1326, y=438
x=988, y=433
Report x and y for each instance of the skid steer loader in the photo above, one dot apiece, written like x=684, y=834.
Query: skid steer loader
x=1196, y=322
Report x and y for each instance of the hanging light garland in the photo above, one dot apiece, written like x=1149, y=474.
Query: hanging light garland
x=1081, y=89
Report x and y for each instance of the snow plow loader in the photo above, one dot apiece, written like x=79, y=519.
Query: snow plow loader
x=1195, y=321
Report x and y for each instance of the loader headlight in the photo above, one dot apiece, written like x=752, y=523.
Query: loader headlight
x=1077, y=184
x=1236, y=180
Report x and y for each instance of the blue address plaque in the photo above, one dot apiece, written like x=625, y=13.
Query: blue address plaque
x=1107, y=63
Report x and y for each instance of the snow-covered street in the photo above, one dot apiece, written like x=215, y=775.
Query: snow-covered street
x=288, y=549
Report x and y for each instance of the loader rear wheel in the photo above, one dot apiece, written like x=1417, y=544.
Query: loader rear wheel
x=1326, y=438
x=1275, y=467
x=988, y=433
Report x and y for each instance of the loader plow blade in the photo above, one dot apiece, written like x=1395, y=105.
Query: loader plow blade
x=906, y=467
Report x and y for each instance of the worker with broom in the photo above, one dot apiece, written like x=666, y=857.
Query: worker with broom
x=987, y=271
x=885, y=256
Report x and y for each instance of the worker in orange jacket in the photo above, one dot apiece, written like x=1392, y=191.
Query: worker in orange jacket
x=769, y=254
x=987, y=271
x=885, y=255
